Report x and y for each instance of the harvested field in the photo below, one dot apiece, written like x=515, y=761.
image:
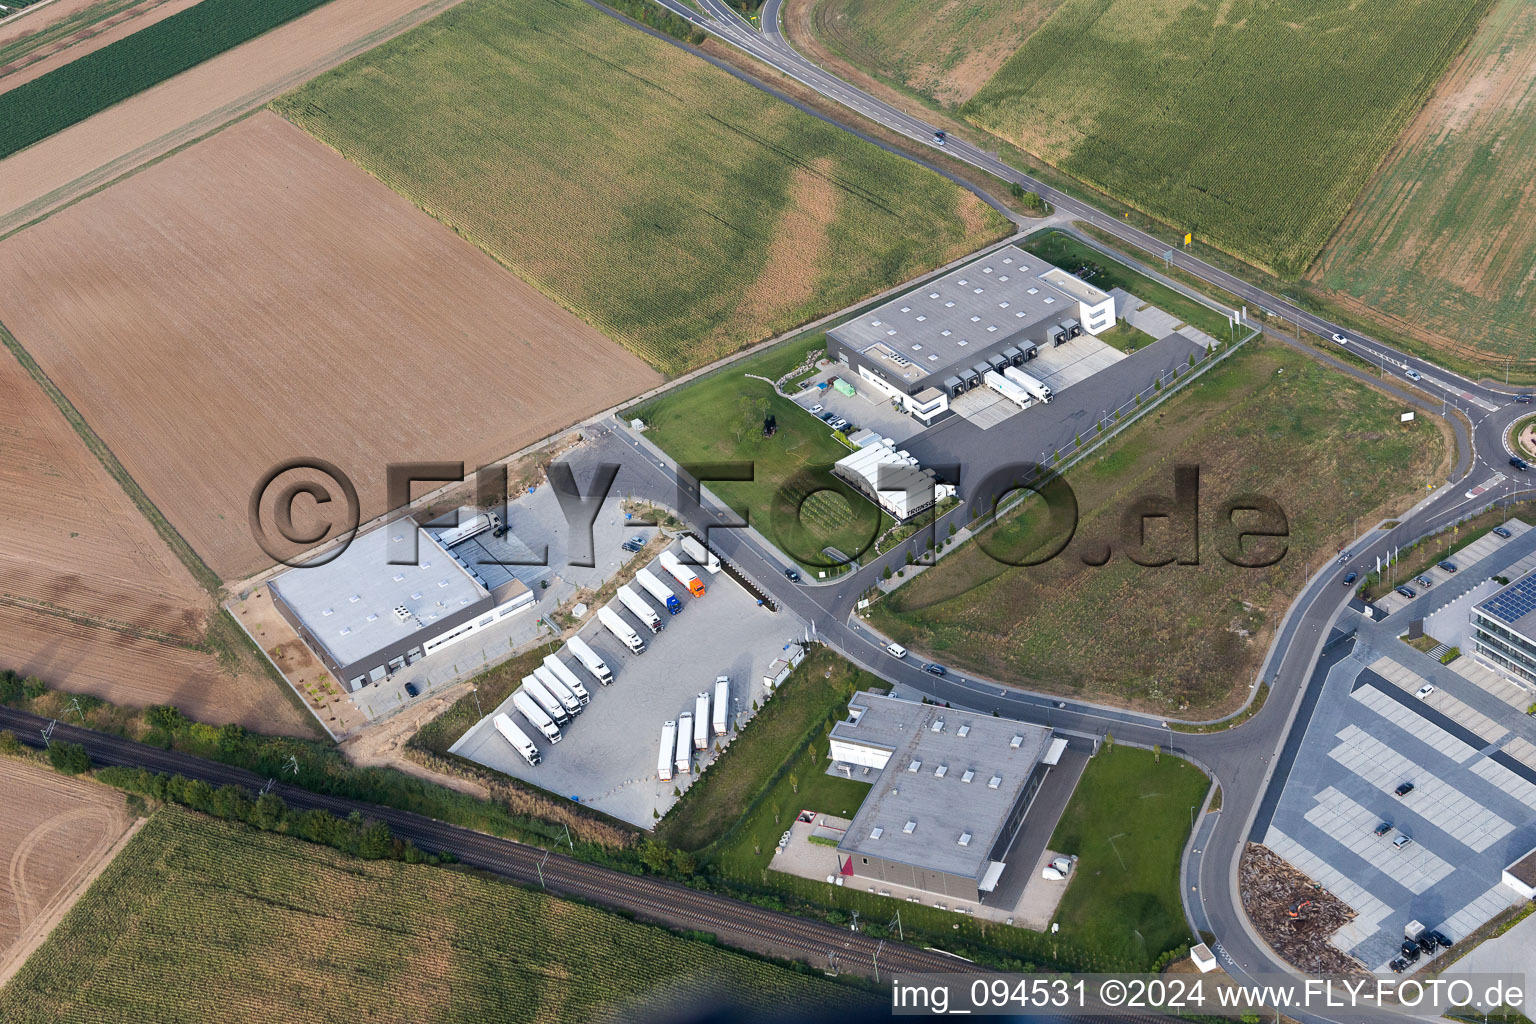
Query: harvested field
x=53, y=835
x=1440, y=246
x=256, y=298
x=691, y=215
x=1270, y=889
x=88, y=155
x=107, y=22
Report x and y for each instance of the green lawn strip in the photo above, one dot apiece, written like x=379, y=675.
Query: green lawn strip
x=1125, y=338
x=1253, y=708
x=1127, y=824
x=1071, y=255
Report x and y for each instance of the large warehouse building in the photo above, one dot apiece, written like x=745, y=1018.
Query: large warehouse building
x=952, y=795
x=939, y=340
x=366, y=618
x=892, y=479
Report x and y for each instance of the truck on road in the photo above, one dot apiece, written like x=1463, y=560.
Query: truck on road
x=546, y=700
x=589, y=660
x=565, y=675
x=1028, y=383
x=615, y=624
x=515, y=736
x=557, y=690
x=640, y=608
x=701, y=721
x=695, y=550
x=722, y=703
x=665, y=756
x=536, y=716
x=659, y=590
x=684, y=575
x=683, y=759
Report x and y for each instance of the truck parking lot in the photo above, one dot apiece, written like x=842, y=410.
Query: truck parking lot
x=607, y=755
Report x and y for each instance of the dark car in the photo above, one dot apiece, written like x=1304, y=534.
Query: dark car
x=1404, y=789
x=935, y=670
x=1523, y=399
x=1350, y=577
x=791, y=575
x=828, y=417
x=1499, y=531
x=412, y=690
x=1383, y=828
x=1448, y=566
x=1440, y=939
x=1423, y=581
x=1407, y=592
x=1519, y=463
x=1410, y=951
x=630, y=545
x=1398, y=966
x=1427, y=944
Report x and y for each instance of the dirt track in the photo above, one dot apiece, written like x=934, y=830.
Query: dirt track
x=257, y=298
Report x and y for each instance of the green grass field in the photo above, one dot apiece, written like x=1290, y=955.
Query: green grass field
x=201, y=920
x=1127, y=823
x=1182, y=639
x=719, y=418
x=1442, y=242
x=1252, y=124
x=681, y=211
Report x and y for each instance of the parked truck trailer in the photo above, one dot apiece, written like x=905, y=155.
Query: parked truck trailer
x=701, y=721
x=615, y=624
x=557, y=690
x=572, y=682
x=722, y=703
x=1028, y=383
x=640, y=608
x=535, y=715
x=695, y=549
x=667, y=754
x=515, y=736
x=682, y=758
x=546, y=700
x=684, y=575
x=1008, y=389
x=589, y=660
x=659, y=590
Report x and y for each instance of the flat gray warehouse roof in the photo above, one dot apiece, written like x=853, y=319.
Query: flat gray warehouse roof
x=969, y=309
x=349, y=604
x=944, y=796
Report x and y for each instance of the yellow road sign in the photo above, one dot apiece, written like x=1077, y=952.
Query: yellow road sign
x=1188, y=237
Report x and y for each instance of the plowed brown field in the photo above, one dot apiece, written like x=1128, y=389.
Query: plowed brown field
x=53, y=836
x=256, y=298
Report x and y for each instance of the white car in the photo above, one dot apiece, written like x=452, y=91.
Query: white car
x=1425, y=691
x=1341, y=339
x=1412, y=374
x=896, y=650
x=816, y=408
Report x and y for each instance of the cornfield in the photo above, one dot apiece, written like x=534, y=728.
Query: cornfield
x=202, y=920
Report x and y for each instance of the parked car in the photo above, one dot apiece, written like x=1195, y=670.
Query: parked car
x=1404, y=789
x=1401, y=841
x=791, y=575
x=1423, y=581
x=1440, y=939
x=1523, y=399
x=1341, y=339
x=1383, y=829
x=1424, y=691
x=828, y=417
x=1499, y=531
x=1448, y=566
x=1350, y=577
x=935, y=670
x=412, y=690
x=1413, y=374
x=1519, y=463
x=839, y=423
x=817, y=408
x=1407, y=592
x=630, y=545
x=1427, y=944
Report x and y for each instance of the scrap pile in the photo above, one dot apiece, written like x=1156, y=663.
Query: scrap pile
x=1293, y=913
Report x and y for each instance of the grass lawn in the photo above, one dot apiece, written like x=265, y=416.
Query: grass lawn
x=1182, y=639
x=1252, y=124
x=793, y=498
x=1126, y=338
x=679, y=210
x=205, y=920
x=1071, y=255
x=1127, y=823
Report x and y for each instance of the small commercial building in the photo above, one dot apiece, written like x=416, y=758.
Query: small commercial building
x=892, y=479
x=1504, y=631
x=1521, y=876
x=366, y=617
x=938, y=341
x=953, y=791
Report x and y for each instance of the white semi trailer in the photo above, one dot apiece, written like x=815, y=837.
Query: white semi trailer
x=659, y=590
x=1009, y=390
x=684, y=575
x=665, y=755
x=536, y=716
x=1027, y=382
x=546, y=700
x=589, y=660
x=722, y=703
x=640, y=608
x=565, y=675
x=701, y=721
x=557, y=690
x=683, y=758
x=615, y=624
x=702, y=555
x=515, y=736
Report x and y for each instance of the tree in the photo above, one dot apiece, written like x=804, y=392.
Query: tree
x=1109, y=740
x=1157, y=753
x=684, y=863
x=1191, y=359
x=656, y=857
x=69, y=758
x=794, y=783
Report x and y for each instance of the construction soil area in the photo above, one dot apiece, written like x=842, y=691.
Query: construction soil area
x=56, y=53
x=55, y=836
x=188, y=106
x=1272, y=890
x=255, y=298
